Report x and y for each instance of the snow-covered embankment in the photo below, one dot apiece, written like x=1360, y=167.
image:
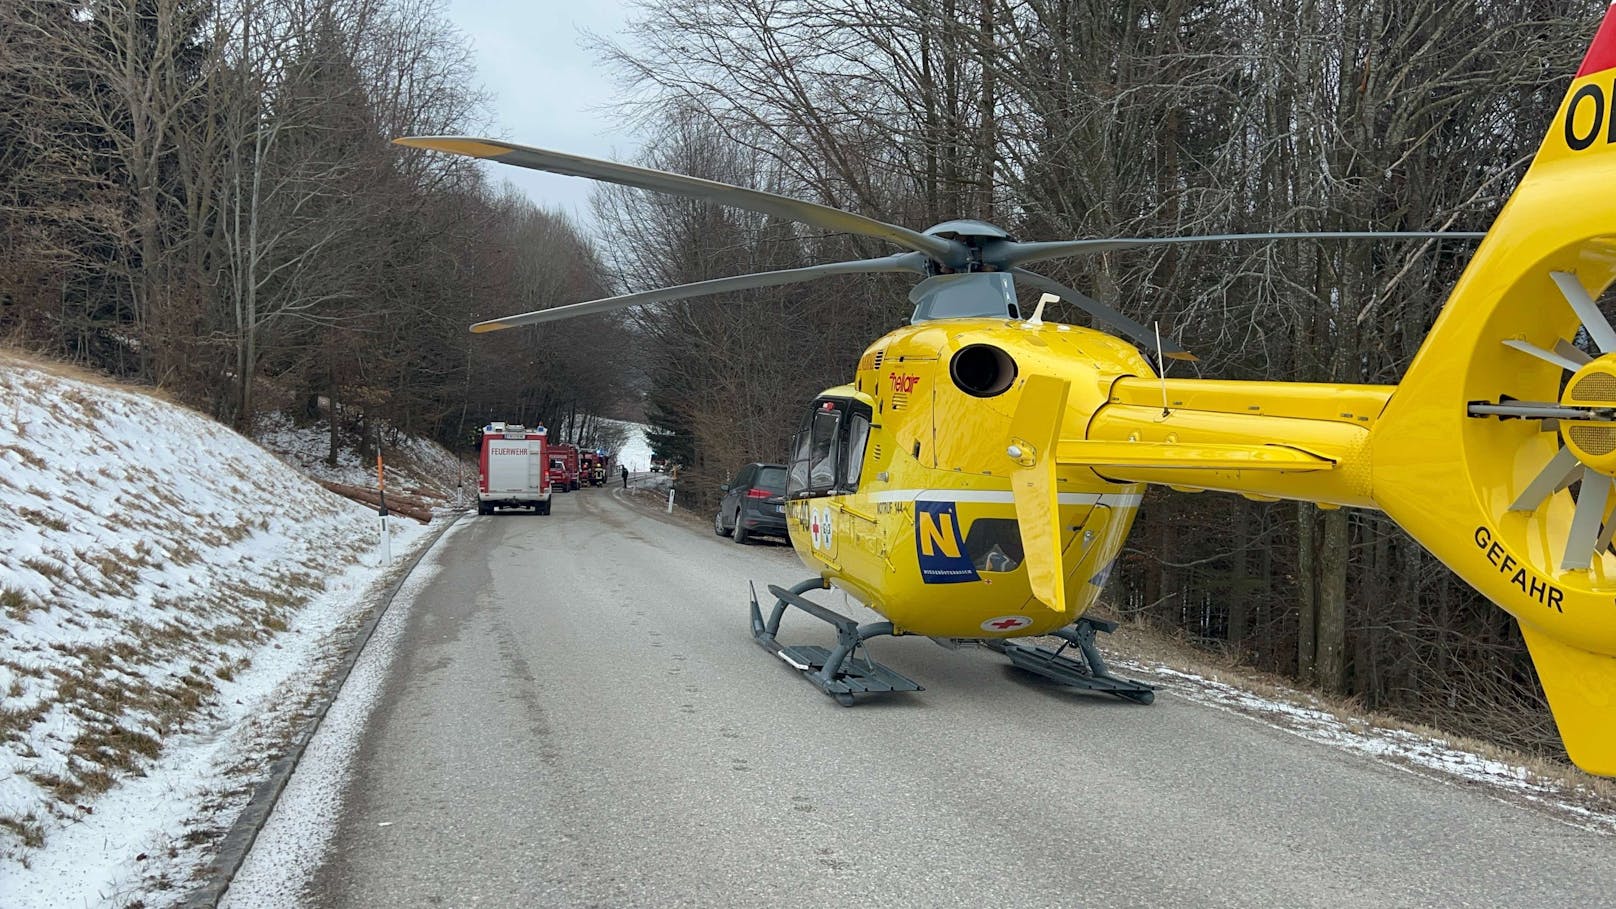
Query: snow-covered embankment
x=169, y=592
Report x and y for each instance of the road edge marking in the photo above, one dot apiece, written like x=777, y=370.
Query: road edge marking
x=238, y=841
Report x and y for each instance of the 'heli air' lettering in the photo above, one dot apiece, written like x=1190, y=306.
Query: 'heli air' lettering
x=1530, y=584
x=903, y=382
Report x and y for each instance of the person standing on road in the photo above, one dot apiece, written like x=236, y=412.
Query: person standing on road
x=624, y=469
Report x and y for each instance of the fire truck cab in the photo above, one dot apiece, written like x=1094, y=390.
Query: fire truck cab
x=511, y=469
x=563, y=466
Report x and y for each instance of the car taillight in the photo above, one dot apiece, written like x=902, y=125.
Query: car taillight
x=758, y=493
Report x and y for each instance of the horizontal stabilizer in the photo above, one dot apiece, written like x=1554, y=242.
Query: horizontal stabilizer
x=1582, y=695
x=1197, y=456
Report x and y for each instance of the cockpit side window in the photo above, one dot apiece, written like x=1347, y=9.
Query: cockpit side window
x=858, y=435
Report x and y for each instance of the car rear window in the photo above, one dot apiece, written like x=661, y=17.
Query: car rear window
x=771, y=478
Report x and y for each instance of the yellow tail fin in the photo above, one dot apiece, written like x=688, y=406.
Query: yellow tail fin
x=1034, y=434
x=1582, y=692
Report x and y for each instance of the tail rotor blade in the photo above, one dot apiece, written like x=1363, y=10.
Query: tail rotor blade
x=1587, y=310
x=1606, y=536
x=1568, y=479
x=1562, y=466
x=1572, y=352
x=1547, y=356
x=1586, y=521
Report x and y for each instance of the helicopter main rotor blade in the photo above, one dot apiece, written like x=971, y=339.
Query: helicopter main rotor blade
x=822, y=216
x=1016, y=253
x=911, y=261
x=1139, y=334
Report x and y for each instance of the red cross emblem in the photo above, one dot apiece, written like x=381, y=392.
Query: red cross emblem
x=1006, y=623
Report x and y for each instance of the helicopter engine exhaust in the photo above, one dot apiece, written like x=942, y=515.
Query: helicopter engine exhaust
x=982, y=370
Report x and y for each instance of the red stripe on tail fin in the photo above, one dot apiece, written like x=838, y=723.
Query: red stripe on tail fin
x=1602, y=53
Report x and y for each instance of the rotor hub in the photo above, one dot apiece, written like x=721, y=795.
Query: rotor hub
x=1592, y=388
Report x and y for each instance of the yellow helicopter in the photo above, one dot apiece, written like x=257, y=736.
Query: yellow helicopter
x=977, y=478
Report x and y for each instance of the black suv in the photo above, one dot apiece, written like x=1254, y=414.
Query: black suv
x=754, y=502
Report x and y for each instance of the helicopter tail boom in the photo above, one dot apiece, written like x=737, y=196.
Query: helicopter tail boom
x=1310, y=445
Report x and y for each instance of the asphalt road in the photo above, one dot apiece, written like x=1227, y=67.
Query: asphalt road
x=578, y=717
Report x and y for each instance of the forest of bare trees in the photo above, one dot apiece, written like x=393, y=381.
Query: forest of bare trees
x=201, y=194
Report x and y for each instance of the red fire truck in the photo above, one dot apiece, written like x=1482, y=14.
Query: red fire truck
x=511, y=472
x=563, y=466
x=593, y=467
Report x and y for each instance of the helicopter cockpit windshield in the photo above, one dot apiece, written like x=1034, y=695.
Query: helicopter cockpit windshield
x=972, y=295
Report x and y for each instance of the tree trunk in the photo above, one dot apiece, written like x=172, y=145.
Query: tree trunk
x=1239, y=577
x=1307, y=599
x=1332, y=609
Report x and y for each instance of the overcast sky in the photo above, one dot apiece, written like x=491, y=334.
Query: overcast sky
x=547, y=90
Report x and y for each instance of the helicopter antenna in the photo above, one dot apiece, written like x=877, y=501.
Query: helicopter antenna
x=1038, y=314
x=1161, y=364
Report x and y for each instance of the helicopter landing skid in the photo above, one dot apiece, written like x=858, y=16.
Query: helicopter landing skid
x=1091, y=674
x=839, y=673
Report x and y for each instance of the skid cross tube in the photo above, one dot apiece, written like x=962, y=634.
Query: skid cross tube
x=836, y=672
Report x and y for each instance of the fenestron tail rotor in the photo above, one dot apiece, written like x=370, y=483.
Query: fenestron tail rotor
x=1584, y=417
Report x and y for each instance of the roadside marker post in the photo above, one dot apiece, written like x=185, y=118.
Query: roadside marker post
x=381, y=492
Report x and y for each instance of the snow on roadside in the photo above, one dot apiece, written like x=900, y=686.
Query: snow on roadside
x=167, y=589
x=635, y=450
x=1397, y=746
x=297, y=835
x=413, y=462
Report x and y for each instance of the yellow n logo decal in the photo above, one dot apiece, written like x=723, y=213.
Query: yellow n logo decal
x=938, y=546
x=937, y=531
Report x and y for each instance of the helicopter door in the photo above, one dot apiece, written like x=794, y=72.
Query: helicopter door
x=812, y=479
x=827, y=461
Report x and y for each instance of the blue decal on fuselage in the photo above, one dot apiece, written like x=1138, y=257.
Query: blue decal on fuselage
x=941, y=548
